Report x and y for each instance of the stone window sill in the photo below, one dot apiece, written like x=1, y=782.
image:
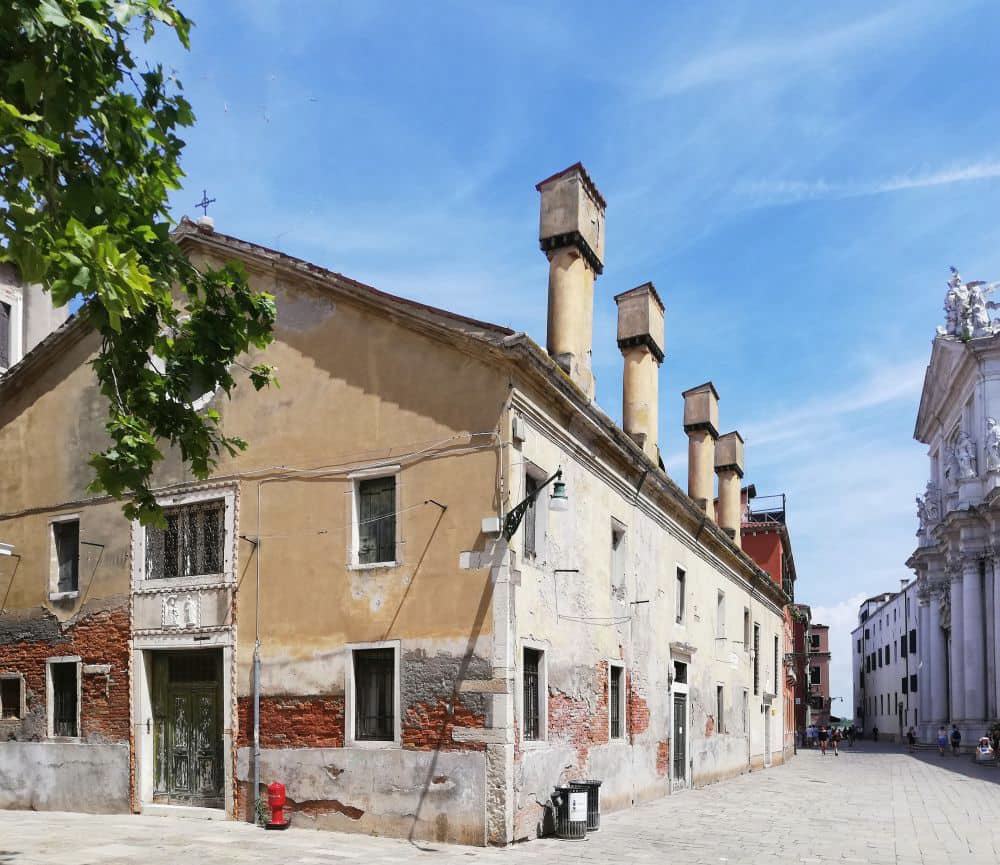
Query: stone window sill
x=63, y=596
x=373, y=566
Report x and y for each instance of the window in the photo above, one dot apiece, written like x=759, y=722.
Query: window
x=64, y=697
x=775, y=665
x=746, y=629
x=679, y=602
x=746, y=711
x=374, y=695
x=913, y=683
x=530, y=516
x=720, y=615
x=533, y=704
x=859, y=647
x=720, y=709
x=66, y=555
x=191, y=545
x=867, y=634
x=680, y=672
x=880, y=656
x=814, y=676
x=814, y=641
x=4, y=335
x=913, y=641
x=902, y=645
x=11, y=698
x=618, y=558
x=904, y=684
x=756, y=659
x=616, y=700
x=868, y=663
x=376, y=516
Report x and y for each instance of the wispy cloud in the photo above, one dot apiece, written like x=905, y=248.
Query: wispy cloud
x=769, y=192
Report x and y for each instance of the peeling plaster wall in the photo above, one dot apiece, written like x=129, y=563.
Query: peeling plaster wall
x=424, y=795
x=569, y=602
x=56, y=776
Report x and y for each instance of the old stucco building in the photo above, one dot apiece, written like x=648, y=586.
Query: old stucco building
x=348, y=607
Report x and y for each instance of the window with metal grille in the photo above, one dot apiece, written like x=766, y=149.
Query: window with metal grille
x=377, y=520
x=374, y=695
x=679, y=600
x=530, y=516
x=756, y=659
x=4, y=335
x=66, y=539
x=532, y=694
x=191, y=545
x=616, y=694
x=65, y=698
x=10, y=698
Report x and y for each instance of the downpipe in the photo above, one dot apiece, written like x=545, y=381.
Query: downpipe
x=256, y=726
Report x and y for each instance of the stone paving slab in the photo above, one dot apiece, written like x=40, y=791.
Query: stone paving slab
x=870, y=806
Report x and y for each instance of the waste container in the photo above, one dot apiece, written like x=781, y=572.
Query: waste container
x=571, y=813
x=593, y=790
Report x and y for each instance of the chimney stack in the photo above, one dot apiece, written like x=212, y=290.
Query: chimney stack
x=571, y=234
x=640, y=338
x=701, y=423
x=729, y=468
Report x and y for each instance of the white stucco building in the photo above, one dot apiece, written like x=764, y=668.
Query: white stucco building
x=886, y=664
x=956, y=560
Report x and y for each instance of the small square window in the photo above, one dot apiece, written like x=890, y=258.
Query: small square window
x=616, y=700
x=11, y=698
x=374, y=695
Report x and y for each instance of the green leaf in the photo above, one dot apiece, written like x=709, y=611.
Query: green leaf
x=50, y=13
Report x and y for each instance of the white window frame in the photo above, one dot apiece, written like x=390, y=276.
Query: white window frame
x=540, y=512
x=680, y=607
x=355, y=478
x=50, y=697
x=13, y=296
x=350, y=698
x=720, y=615
x=543, y=694
x=23, y=707
x=54, y=593
x=622, y=700
x=747, y=629
x=225, y=493
x=720, y=695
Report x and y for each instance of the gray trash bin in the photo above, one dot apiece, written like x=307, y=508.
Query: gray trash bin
x=593, y=790
x=571, y=813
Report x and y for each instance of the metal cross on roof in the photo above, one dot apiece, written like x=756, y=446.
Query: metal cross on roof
x=205, y=201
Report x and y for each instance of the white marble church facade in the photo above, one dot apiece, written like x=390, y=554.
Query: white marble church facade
x=957, y=560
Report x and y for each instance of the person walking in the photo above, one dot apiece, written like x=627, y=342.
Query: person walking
x=823, y=735
x=852, y=733
x=835, y=739
x=911, y=738
x=874, y=734
x=942, y=739
x=956, y=739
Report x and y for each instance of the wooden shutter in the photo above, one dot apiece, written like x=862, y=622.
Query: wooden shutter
x=530, y=517
x=377, y=520
x=67, y=538
x=4, y=335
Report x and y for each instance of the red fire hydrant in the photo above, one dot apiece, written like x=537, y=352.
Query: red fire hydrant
x=276, y=801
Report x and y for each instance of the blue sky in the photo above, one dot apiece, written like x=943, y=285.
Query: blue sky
x=794, y=178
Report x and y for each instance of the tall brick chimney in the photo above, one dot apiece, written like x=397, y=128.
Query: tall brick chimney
x=571, y=234
x=640, y=338
x=701, y=423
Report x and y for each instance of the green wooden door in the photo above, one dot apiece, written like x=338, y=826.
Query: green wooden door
x=190, y=746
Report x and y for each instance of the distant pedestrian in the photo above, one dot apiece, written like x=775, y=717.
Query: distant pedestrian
x=823, y=736
x=911, y=738
x=956, y=740
x=811, y=733
x=835, y=739
x=852, y=733
x=942, y=739
x=874, y=734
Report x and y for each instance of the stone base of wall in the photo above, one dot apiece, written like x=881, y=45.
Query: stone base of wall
x=58, y=776
x=423, y=795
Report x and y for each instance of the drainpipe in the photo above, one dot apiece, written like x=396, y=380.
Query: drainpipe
x=256, y=726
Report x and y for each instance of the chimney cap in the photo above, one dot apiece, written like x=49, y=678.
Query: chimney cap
x=645, y=288
x=729, y=453
x=701, y=409
x=575, y=168
x=691, y=391
x=640, y=319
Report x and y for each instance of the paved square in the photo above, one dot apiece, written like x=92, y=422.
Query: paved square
x=873, y=804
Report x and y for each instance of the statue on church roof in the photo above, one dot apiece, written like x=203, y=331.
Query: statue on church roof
x=966, y=309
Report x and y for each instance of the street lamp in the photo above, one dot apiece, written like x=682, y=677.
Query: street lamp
x=557, y=502
x=6, y=549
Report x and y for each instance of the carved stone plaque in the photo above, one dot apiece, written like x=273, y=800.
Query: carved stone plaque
x=181, y=611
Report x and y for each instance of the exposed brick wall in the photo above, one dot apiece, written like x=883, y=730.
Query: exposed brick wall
x=663, y=758
x=638, y=708
x=98, y=638
x=294, y=722
x=580, y=722
x=428, y=726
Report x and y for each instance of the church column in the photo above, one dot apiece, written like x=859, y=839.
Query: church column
x=996, y=637
x=973, y=642
x=957, y=653
x=937, y=655
x=989, y=607
x=924, y=659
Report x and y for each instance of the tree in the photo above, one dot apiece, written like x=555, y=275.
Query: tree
x=89, y=152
